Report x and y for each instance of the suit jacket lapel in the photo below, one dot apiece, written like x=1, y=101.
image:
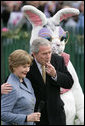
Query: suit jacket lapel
x=37, y=72
x=18, y=83
x=25, y=88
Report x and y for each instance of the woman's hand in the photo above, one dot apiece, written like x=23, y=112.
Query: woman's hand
x=34, y=117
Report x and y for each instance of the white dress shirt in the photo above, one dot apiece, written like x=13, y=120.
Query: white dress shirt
x=40, y=69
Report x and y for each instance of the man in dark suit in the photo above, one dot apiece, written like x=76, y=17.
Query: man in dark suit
x=57, y=76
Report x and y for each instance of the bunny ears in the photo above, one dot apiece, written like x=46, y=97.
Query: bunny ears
x=64, y=14
x=38, y=18
x=35, y=16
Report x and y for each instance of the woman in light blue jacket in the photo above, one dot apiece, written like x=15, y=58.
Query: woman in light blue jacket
x=17, y=107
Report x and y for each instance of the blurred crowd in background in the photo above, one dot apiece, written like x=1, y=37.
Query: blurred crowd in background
x=11, y=14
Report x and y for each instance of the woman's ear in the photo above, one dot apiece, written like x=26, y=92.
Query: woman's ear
x=35, y=16
x=64, y=14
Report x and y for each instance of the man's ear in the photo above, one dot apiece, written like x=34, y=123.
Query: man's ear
x=35, y=16
x=33, y=54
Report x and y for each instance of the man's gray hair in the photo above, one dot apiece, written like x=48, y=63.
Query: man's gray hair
x=39, y=42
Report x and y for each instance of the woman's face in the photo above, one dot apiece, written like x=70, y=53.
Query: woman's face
x=21, y=70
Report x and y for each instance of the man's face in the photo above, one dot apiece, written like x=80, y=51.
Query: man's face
x=44, y=55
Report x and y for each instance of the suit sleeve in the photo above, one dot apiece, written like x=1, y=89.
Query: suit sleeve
x=7, y=103
x=64, y=78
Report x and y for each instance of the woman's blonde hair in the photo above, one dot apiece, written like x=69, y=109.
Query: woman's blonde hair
x=19, y=57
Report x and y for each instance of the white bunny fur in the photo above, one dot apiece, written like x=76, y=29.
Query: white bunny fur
x=74, y=98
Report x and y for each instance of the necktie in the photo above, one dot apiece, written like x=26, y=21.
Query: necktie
x=43, y=73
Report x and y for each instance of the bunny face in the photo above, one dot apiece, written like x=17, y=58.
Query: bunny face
x=56, y=36
x=49, y=28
